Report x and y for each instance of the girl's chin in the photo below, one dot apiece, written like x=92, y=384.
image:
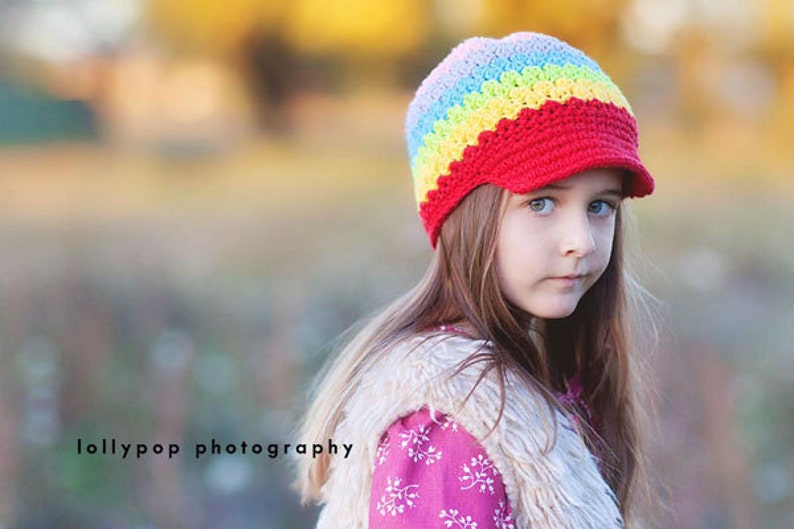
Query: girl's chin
x=550, y=306
x=553, y=311
x=556, y=314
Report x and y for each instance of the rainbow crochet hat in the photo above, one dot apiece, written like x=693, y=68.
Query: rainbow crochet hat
x=519, y=112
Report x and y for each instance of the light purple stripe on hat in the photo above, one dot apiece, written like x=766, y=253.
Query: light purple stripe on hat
x=475, y=61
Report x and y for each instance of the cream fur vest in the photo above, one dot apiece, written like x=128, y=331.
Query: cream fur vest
x=558, y=489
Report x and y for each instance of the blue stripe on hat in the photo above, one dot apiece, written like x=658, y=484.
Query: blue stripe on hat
x=478, y=66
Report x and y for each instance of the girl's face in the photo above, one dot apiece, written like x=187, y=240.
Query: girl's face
x=555, y=242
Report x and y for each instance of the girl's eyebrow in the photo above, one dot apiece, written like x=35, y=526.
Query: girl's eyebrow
x=617, y=193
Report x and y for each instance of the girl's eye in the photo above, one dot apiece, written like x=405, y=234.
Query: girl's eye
x=601, y=208
x=540, y=205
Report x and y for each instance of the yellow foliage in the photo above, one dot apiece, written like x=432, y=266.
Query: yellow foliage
x=367, y=28
x=212, y=25
x=584, y=19
x=357, y=27
x=777, y=24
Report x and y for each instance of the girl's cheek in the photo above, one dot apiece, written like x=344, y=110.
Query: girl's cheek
x=606, y=232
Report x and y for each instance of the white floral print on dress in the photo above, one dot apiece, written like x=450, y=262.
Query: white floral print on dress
x=479, y=472
x=383, y=450
x=397, y=497
x=415, y=441
x=452, y=517
x=447, y=422
x=436, y=485
x=502, y=517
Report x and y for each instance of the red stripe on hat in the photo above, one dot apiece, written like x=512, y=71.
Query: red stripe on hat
x=538, y=147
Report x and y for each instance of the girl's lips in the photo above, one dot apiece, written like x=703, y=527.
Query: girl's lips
x=568, y=281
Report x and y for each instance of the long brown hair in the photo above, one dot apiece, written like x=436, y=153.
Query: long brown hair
x=461, y=285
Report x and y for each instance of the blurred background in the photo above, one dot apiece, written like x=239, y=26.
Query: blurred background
x=197, y=197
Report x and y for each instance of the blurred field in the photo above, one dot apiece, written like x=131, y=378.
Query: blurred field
x=195, y=202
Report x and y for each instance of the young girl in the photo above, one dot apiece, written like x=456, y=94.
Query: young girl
x=501, y=391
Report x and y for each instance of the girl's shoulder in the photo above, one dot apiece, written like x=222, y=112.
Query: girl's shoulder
x=412, y=363
x=441, y=342
x=432, y=351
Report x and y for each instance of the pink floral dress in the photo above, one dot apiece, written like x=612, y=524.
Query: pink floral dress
x=431, y=473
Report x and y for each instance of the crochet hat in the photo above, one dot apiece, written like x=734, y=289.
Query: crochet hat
x=519, y=112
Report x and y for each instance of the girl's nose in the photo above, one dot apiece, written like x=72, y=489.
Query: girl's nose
x=577, y=236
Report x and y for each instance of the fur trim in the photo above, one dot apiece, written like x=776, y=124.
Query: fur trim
x=548, y=486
